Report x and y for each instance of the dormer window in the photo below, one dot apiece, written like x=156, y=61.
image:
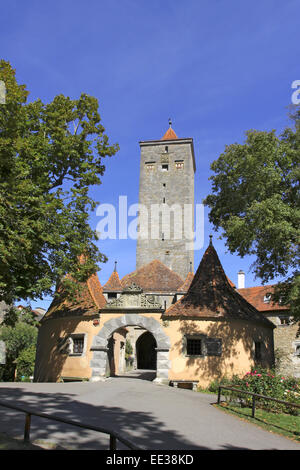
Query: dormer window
x=267, y=298
x=111, y=295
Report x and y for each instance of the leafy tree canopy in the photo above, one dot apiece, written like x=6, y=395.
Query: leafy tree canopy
x=255, y=201
x=50, y=155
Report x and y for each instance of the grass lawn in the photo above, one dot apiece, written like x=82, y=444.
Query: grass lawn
x=9, y=443
x=280, y=423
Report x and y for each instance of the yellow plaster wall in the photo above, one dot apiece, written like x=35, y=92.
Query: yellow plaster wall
x=237, y=348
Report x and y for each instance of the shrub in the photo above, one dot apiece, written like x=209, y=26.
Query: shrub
x=267, y=383
x=25, y=363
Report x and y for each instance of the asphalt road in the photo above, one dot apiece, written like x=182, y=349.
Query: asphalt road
x=149, y=415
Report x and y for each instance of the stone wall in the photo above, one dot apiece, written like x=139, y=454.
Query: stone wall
x=286, y=340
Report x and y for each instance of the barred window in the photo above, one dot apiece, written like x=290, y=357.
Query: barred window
x=194, y=347
x=77, y=344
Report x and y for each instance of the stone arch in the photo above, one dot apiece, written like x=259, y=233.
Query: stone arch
x=99, y=346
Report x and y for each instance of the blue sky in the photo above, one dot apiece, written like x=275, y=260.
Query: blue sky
x=217, y=68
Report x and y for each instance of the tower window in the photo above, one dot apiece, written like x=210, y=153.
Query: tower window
x=164, y=200
x=111, y=295
x=179, y=165
x=166, y=149
x=150, y=166
x=165, y=167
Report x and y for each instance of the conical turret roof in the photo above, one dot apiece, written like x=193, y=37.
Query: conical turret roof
x=211, y=295
x=113, y=284
x=170, y=134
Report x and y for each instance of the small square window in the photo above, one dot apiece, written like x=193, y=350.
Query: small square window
x=165, y=167
x=77, y=345
x=179, y=165
x=111, y=295
x=150, y=167
x=284, y=320
x=193, y=347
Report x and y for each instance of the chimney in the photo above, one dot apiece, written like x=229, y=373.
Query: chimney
x=241, y=279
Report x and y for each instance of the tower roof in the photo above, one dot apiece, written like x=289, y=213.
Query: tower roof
x=113, y=284
x=170, y=134
x=154, y=277
x=210, y=295
x=188, y=280
x=86, y=302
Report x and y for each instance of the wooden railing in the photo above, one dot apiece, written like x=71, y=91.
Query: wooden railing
x=113, y=436
x=254, y=396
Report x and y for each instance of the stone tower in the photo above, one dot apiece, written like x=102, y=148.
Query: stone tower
x=166, y=203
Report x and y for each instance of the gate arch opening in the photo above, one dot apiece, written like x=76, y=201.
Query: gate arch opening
x=100, y=345
x=146, y=351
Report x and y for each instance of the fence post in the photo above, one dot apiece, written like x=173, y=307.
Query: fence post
x=253, y=406
x=27, y=427
x=112, y=442
x=219, y=395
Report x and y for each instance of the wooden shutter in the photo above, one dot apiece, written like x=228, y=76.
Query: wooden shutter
x=213, y=346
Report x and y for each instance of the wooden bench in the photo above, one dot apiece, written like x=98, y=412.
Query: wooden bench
x=194, y=383
x=73, y=379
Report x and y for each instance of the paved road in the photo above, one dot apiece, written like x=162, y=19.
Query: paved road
x=152, y=416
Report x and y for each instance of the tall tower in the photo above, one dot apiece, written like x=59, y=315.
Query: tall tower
x=166, y=198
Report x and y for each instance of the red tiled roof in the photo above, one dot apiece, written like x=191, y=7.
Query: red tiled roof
x=113, y=284
x=86, y=302
x=210, y=295
x=169, y=135
x=185, y=286
x=255, y=296
x=154, y=277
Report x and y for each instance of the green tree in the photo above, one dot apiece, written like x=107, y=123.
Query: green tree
x=255, y=202
x=50, y=155
x=19, y=339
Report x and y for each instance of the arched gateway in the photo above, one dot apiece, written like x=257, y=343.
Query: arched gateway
x=100, y=348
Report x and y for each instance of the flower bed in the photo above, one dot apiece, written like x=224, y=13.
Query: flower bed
x=265, y=382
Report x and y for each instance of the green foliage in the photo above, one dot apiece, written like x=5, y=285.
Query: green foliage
x=50, y=155
x=255, y=201
x=19, y=332
x=25, y=363
x=18, y=338
x=128, y=349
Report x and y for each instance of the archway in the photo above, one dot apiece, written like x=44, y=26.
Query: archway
x=146, y=351
x=100, y=342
